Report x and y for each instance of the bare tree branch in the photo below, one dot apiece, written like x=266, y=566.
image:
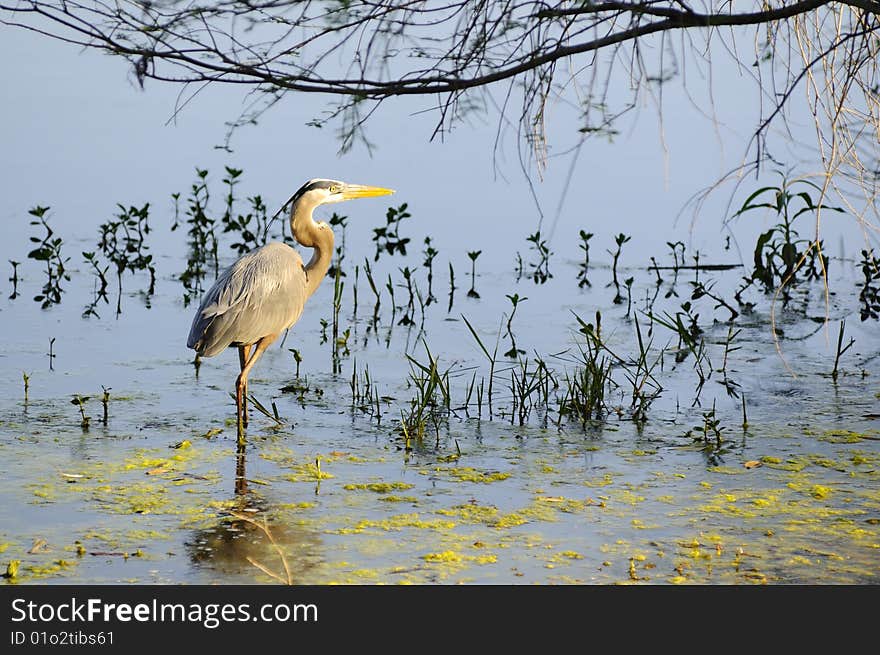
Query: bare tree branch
x=364, y=52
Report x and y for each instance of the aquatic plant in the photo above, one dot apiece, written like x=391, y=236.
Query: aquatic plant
x=841, y=349
x=645, y=386
x=729, y=385
x=515, y=300
x=338, y=223
x=51, y=354
x=273, y=415
x=202, y=241
x=297, y=358
x=584, y=268
x=80, y=402
x=429, y=253
x=584, y=391
x=540, y=269
x=492, y=359
x=619, y=240
x=14, y=279
x=781, y=257
x=701, y=289
x=101, y=283
x=354, y=292
x=368, y=271
x=390, y=286
x=628, y=283
x=869, y=295
x=409, y=308
x=228, y=220
x=252, y=227
x=452, y=288
x=432, y=398
x=529, y=388
x=690, y=341
x=364, y=392
x=473, y=255
x=387, y=237
x=710, y=434
x=49, y=252
x=656, y=268
x=678, y=249
x=123, y=242
x=105, y=402
x=340, y=345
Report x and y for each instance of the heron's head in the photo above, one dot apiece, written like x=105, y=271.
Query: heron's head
x=321, y=192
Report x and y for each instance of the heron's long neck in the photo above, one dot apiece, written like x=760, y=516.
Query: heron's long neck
x=310, y=235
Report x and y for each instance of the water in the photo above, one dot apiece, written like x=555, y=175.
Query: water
x=161, y=493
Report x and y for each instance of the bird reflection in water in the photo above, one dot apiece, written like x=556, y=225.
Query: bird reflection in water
x=252, y=543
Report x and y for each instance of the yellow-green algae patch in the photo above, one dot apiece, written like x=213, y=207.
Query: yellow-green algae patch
x=150, y=458
x=393, y=498
x=566, y=556
x=603, y=481
x=379, y=487
x=469, y=474
x=135, y=498
x=510, y=521
x=791, y=464
x=624, y=496
x=470, y=513
x=847, y=436
x=43, y=491
x=860, y=457
x=820, y=491
x=637, y=453
x=399, y=522
x=563, y=504
x=728, y=470
x=454, y=557
x=786, y=526
x=542, y=508
x=53, y=568
x=305, y=504
x=106, y=482
x=306, y=472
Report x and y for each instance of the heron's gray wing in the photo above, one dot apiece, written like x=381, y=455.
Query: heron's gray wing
x=260, y=294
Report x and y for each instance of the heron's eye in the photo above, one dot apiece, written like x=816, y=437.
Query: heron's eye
x=335, y=188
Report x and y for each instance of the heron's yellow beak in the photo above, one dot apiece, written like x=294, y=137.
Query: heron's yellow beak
x=353, y=191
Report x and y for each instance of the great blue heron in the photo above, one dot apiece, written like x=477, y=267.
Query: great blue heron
x=263, y=293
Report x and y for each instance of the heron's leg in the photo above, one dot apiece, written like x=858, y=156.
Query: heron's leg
x=243, y=354
x=241, y=383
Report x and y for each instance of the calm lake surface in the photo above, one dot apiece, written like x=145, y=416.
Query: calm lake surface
x=335, y=491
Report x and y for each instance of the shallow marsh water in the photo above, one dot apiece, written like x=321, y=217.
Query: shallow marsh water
x=155, y=495
x=161, y=494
